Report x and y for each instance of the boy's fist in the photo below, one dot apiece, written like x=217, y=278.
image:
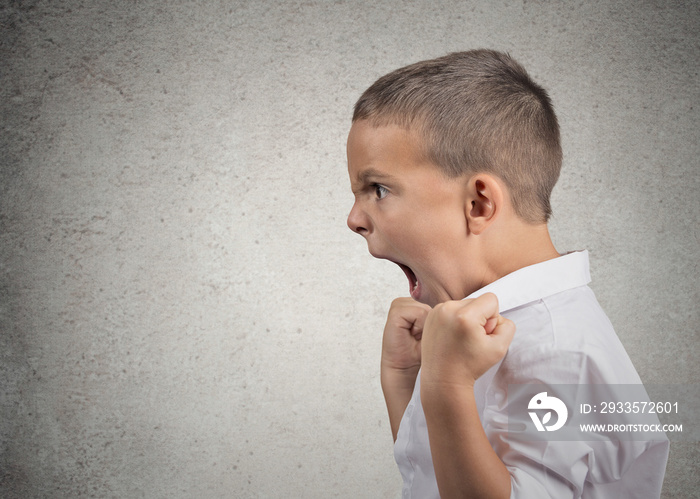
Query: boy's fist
x=462, y=340
x=401, y=345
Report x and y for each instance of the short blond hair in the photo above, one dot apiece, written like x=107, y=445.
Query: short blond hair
x=478, y=111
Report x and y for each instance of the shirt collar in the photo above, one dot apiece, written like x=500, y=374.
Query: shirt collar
x=538, y=281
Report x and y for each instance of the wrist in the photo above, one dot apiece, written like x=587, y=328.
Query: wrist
x=443, y=393
x=439, y=379
x=395, y=378
x=398, y=374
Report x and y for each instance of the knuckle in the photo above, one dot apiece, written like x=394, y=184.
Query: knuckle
x=469, y=314
x=396, y=303
x=442, y=311
x=489, y=296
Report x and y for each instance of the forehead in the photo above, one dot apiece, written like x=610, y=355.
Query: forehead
x=385, y=150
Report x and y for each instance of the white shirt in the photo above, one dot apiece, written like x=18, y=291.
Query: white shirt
x=562, y=337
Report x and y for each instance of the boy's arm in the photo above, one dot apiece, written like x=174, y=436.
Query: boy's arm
x=397, y=386
x=401, y=356
x=462, y=340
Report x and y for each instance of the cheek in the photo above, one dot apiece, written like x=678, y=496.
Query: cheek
x=443, y=230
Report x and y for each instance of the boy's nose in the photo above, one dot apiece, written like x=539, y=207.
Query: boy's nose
x=357, y=222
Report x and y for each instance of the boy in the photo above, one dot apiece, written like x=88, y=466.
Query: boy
x=452, y=162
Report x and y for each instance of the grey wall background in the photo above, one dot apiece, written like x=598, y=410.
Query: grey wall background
x=184, y=312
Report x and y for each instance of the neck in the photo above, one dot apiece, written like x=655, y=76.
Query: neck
x=523, y=246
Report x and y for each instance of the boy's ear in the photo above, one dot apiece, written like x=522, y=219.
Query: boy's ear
x=484, y=202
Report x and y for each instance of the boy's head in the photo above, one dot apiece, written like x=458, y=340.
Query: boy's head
x=452, y=162
x=476, y=111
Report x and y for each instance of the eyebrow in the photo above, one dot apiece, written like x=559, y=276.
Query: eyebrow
x=365, y=175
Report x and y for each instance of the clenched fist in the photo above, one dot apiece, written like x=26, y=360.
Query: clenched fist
x=461, y=340
x=401, y=345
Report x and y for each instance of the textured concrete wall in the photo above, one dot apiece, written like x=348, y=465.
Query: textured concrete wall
x=184, y=312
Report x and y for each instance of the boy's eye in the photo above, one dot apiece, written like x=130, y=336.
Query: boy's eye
x=380, y=191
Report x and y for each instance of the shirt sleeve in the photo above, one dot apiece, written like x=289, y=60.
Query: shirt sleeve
x=565, y=468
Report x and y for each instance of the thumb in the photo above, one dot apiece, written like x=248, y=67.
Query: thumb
x=491, y=324
x=501, y=327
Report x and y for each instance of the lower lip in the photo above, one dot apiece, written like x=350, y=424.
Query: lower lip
x=414, y=285
x=416, y=291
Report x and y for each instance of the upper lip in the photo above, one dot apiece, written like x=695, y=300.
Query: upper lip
x=407, y=270
x=410, y=274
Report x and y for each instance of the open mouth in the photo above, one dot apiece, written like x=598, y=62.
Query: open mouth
x=413, y=282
